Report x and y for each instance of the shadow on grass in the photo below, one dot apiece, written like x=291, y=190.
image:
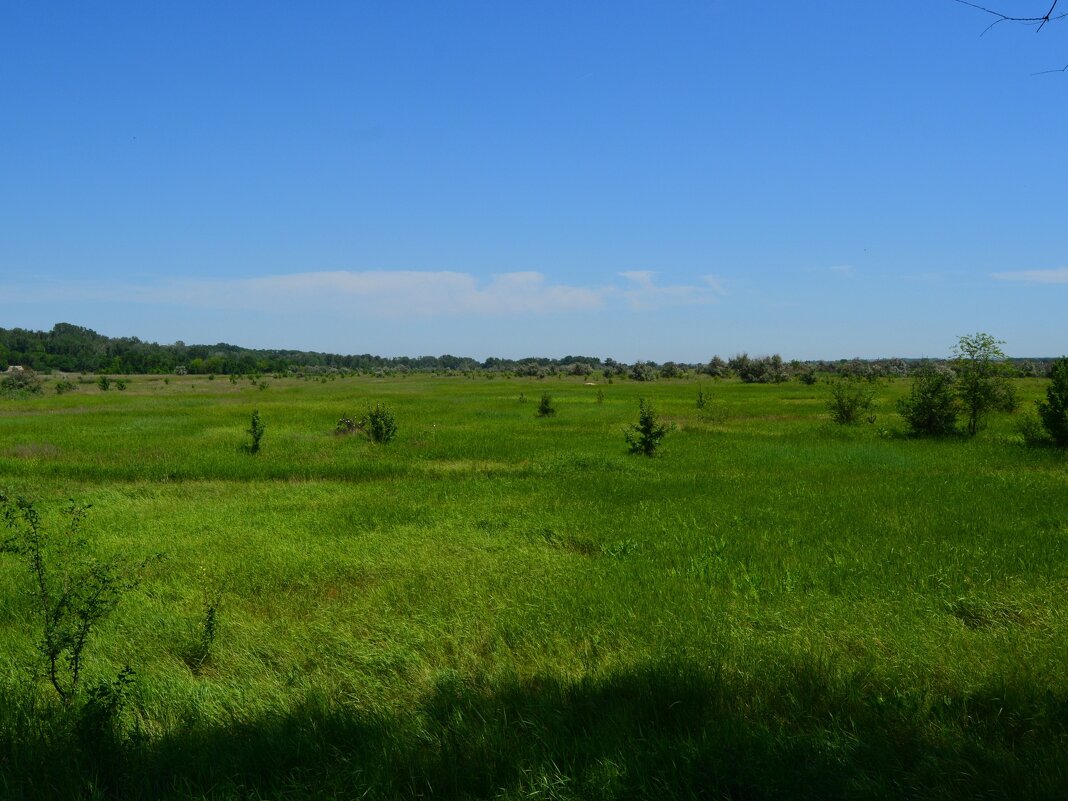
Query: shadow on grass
x=651, y=733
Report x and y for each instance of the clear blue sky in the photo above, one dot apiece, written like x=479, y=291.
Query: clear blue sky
x=656, y=180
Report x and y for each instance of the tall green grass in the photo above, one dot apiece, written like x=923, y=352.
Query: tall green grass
x=501, y=605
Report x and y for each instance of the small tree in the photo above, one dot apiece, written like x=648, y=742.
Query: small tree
x=982, y=385
x=70, y=591
x=643, y=371
x=645, y=436
x=848, y=400
x=104, y=383
x=931, y=406
x=1054, y=410
x=255, y=430
x=545, y=406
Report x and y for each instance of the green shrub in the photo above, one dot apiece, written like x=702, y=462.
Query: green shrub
x=931, y=406
x=121, y=384
x=104, y=383
x=645, y=436
x=1053, y=411
x=377, y=424
x=545, y=406
x=256, y=431
x=62, y=387
x=849, y=399
x=20, y=382
x=642, y=371
x=1032, y=430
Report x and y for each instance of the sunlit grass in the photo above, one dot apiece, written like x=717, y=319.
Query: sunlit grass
x=497, y=604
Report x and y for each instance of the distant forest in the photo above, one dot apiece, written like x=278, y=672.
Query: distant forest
x=74, y=349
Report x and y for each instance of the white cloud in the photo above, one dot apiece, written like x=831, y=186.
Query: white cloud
x=382, y=293
x=387, y=294
x=1055, y=276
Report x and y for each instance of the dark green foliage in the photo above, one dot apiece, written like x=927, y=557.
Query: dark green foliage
x=931, y=406
x=545, y=406
x=645, y=436
x=1053, y=411
x=104, y=383
x=600, y=396
x=982, y=382
x=807, y=376
x=69, y=590
x=256, y=431
x=20, y=382
x=63, y=387
x=121, y=384
x=849, y=400
x=702, y=399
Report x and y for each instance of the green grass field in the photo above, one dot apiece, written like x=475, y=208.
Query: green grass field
x=497, y=605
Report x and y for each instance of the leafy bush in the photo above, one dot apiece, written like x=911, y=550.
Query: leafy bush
x=1053, y=411
x=1032, y=430
x=377, y=424
x=104, y=383
x=256, y=430
x=62, y=387
x=545, y=406
x=702, y=399
x=931, y=406
x=716, y=367
x=19, y=382
x=642, y=371
x=672, y=370
x=764, y=370
x=121, y=384
x=849, y=400
x=645, y=436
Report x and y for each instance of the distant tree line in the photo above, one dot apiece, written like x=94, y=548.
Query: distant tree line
x=74, y=349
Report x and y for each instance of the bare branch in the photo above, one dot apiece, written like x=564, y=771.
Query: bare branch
x=1039, y=21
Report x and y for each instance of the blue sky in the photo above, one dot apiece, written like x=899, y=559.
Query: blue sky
x=637, y=180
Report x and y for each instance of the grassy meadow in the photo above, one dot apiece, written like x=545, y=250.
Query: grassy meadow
x=497, y=605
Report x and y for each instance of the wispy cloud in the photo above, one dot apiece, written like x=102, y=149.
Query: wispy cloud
x=642, y=292
x=382, y=293
x=839, y=270
x=1058, y=275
